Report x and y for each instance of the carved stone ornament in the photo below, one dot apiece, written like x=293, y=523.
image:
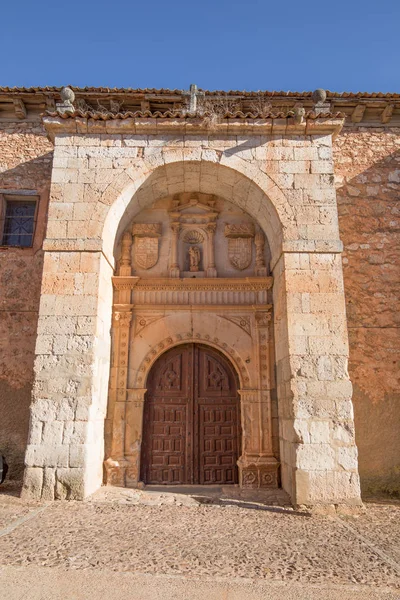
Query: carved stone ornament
x=239, y=244
x=146, y=244
x=239, y=230
x=263, y=319
x=193, y=236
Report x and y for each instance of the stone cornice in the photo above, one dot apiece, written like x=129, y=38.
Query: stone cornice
x=190, y=284
x=188, y=126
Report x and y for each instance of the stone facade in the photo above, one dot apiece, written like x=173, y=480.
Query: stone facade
x=25, y=165
x=277, y=177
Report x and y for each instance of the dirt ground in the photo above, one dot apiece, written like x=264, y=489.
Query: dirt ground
x=179, y=538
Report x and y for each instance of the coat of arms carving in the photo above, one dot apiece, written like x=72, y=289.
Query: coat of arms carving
x=146, y=244
x=239, y=244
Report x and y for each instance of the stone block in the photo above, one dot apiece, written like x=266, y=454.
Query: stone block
x=319, y=432
x=321, y=166
x=315, y=457
x=77, y=455
x=33, y=483
x=70, y=484
x=49, y=483
x=52, y=433
x=347, y=458
x=308, y=153
x=296, y=166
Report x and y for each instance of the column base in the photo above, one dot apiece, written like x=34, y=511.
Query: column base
x=257, y=471
x=121, y=473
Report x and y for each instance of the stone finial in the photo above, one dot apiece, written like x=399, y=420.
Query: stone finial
x=67, y=95
x=319, y=96
x=67, y=98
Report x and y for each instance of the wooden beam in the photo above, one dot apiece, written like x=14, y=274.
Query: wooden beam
x=358, y=113
x=19, y=108
x=387, y=113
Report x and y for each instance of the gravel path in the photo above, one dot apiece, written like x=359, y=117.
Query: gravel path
x=208, y=540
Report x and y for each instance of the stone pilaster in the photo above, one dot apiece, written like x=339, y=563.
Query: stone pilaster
x=117, y=398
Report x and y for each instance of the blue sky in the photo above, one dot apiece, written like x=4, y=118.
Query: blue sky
x=348, y=45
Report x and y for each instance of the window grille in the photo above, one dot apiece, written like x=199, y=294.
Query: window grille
x=19, y=222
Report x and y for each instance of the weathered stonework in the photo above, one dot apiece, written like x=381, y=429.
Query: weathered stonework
x=367, y=168
x=25, y=165
x=280, y=173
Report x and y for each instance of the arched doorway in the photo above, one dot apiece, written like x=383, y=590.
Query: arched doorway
x=191, y=421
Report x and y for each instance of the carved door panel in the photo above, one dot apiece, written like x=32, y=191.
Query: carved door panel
x=191, y=425
x=217, y=419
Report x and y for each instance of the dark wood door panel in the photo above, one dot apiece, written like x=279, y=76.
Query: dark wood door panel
x=191, y=425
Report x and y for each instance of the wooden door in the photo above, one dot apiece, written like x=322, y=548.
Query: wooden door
x=191, y=424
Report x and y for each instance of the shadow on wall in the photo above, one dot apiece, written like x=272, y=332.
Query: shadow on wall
x=369, y=228
x=20, y=281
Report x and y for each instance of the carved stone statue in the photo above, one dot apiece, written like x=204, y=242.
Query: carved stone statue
x=194, y=258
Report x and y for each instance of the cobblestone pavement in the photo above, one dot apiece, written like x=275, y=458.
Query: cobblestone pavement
x=177, y=535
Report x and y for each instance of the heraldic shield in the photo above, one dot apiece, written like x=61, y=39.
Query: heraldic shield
x=146, y=252
x=146, y=244
x=239, y=251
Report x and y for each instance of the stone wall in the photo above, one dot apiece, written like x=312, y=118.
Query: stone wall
x=367, y=163
x=25, y=164
x=367, y=167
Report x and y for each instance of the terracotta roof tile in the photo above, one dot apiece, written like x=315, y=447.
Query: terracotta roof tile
x=169, y=114
x=167, y=92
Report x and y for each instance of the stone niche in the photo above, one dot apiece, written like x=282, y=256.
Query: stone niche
x=193, y=268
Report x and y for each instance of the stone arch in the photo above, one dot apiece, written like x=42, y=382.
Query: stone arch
x=228, y=176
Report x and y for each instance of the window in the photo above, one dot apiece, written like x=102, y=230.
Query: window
x=19, y=213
